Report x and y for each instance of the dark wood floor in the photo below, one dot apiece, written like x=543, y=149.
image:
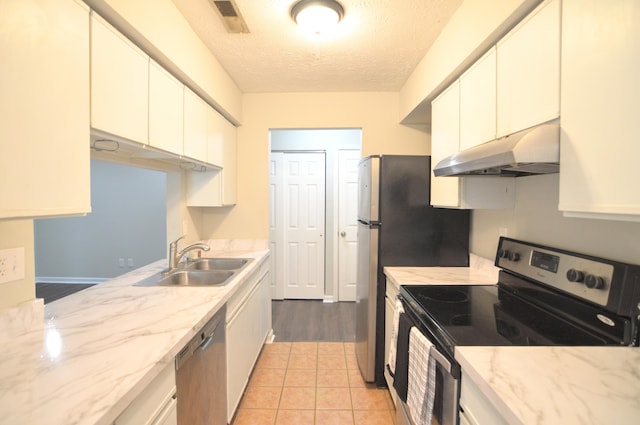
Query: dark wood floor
x=310, y=320
x=55, y=291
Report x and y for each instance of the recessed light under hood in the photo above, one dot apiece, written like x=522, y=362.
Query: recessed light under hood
x=529, y=152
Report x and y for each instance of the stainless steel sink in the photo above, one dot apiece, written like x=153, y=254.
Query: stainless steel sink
x=216, y=264
x=189, y=278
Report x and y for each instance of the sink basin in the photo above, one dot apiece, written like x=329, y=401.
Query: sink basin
x=216, y=264
x=189, y=278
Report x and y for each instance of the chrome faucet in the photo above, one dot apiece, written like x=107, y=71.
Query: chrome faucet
x=176, y=256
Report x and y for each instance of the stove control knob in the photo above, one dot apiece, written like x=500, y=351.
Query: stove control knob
x=594, y=282
x=575, y=275
x=514, y=256
x=503, y=253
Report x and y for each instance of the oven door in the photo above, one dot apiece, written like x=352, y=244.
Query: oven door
x=447, y=385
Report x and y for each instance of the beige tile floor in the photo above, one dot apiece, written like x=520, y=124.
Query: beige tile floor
x=312, y=383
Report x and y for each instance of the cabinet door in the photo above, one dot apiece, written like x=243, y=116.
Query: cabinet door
x=229, y=171
x=470, y=192
x=44, y=108
x=119, y=84
x=478, y=102
x=529, y=71
x=216, y=188
x=445, y=141
x=478, y=409
x=215, y=138
x=195, y=126
x=166, y=105
x=247, y=329
x=155, y=404
x=600, y=126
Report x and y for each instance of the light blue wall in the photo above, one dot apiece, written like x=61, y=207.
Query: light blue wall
x=128, y=220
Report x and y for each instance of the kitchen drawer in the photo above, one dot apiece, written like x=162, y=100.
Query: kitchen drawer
x=155, y=403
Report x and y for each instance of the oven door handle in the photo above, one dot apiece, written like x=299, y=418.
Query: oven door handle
x=439, y=358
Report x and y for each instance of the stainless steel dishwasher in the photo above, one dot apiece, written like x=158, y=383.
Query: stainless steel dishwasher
x=201, y=378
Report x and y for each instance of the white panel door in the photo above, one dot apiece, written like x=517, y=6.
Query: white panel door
x=304, y=215
x=276, y=223
x=347, y=223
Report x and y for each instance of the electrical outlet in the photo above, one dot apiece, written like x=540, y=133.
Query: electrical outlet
x=121, y=262
x=130, y=262
x=11, y=264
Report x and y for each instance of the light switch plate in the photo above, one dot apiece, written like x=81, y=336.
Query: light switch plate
x=11, y=264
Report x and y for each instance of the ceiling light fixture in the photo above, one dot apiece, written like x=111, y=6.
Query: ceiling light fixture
x=317, y=16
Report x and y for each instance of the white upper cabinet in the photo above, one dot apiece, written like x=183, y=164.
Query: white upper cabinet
x=229, y=172
x=600, y=138
x=478, y=102
x=44, y=108
x=528, y=85
x=445, y=141
x=119, y=84
x=166, y=110
x=461, y=192
x=216, y=188
x=195, y=126
x=215, y=137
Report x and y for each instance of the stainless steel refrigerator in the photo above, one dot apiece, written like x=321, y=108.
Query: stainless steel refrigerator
x=397, y=227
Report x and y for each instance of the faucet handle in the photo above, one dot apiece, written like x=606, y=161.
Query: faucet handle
x=175, y=243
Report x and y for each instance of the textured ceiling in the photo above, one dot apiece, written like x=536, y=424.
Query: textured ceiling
x=375, y=48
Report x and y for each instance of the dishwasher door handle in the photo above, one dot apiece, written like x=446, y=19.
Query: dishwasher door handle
x=207, y=342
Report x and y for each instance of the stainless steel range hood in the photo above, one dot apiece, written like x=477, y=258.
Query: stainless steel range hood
x=528, y=152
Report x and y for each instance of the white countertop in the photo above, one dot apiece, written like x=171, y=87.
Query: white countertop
x=558, y=385
x=480, y=272
x=96, y=350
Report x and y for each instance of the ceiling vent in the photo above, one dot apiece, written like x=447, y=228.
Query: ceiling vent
x=230, y=15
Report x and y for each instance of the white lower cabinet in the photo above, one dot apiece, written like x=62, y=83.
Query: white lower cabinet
x=248, y=324
x=157, y=403
x=476, y=409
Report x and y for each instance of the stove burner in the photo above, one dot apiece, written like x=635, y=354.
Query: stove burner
x=445, y=295
x=460, y=320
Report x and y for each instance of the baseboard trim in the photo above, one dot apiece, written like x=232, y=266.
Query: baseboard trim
x=71, y=280
x=328, y=299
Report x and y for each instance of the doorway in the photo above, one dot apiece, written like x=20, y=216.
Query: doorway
x=297, y=271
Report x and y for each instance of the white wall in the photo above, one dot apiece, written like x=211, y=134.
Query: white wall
x=375, y=113
x=536, y=218
x=16, y=234
x=128, y=220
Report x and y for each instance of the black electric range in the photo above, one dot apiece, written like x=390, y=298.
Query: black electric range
x=544, y=296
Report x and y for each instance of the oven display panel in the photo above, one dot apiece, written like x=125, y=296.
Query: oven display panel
x=545, y=261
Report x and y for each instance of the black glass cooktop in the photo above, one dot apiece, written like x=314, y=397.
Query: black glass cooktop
x=486, y=315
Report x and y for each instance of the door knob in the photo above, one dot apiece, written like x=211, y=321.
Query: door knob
x=343, y=233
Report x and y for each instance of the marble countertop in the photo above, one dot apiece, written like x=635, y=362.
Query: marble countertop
x=480, y=272
x=87, y=356
x=557, y=385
